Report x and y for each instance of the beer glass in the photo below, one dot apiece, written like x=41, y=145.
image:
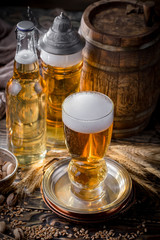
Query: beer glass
x=26, y=101
x=88, y=123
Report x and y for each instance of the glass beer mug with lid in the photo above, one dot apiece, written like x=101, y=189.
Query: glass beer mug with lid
x=26, y=100
x=61, y=62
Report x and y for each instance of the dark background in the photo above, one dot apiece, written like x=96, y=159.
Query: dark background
x=70, y=5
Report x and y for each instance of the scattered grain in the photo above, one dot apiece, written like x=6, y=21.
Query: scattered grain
x=18, y=233
x=12, y=199
x=2, y=198
x=2, y=227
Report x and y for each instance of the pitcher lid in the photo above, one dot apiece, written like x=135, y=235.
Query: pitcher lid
x=61, y=38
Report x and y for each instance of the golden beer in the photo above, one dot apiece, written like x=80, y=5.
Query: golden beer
x=61, y=81
x=90, y=149
x=88, y=123
x=26, y=112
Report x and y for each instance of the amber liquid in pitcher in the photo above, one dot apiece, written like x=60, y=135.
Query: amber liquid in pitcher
x=60, y=83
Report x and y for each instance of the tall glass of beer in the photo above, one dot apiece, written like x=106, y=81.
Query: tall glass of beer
x=88, y=123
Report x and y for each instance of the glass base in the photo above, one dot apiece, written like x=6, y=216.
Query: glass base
x=26, y=161
x=55, y=137
x=87, y=177
x=53, y=144
x=88, y=195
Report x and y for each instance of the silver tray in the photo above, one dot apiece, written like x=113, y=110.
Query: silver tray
x=57, y=194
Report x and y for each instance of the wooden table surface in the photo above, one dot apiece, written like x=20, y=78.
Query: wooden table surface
x=141, y=221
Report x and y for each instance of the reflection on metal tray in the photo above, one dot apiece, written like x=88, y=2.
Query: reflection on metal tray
x=57, y=194
x=91, y=218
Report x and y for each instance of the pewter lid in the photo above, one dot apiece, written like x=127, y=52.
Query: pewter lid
x=61, y=38
x=25, y=26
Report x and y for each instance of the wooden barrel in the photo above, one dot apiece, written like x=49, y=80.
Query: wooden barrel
x=122, y=59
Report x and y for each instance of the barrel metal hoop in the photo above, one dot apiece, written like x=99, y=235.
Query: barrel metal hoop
x=118, y=69
x=121, y=49
x=129, y=131
x=146, y=113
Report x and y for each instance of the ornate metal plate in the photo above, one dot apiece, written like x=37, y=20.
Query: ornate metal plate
x=57, y=194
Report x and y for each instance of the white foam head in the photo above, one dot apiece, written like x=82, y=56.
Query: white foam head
x=25, y=57
x=87, y=112
x=61, y=60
